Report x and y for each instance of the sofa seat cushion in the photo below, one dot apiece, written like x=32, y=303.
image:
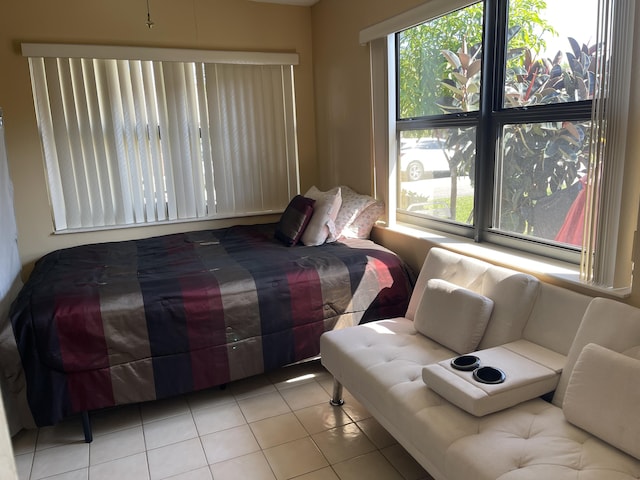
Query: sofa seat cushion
x=379, y=356
x=534, y=441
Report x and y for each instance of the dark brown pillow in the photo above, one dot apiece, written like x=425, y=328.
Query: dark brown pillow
x=294, y=220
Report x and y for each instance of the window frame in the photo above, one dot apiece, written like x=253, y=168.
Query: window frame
x=609, y=249
x=489, y=121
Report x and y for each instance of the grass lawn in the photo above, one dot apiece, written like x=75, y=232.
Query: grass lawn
x=464, y=208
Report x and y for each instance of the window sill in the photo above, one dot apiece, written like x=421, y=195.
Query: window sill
x=553, y=271
x=164, y=223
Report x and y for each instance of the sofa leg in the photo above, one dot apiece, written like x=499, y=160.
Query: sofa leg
x=336, y=399
x=86, y=427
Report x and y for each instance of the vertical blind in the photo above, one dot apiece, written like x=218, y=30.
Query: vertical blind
x=146, y=140
x=10, y=282
x=616, y=20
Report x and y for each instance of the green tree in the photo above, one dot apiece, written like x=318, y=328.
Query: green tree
x=422, y=65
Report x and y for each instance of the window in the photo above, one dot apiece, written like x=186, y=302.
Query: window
x=139, y=136
x=501, y=123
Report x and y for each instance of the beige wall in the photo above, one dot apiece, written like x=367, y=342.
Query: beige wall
x=343, y=115
x=342, y=82
x=203, y=24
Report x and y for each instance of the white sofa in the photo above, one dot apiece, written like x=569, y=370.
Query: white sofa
x=580, y=430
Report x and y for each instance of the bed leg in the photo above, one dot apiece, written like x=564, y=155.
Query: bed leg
x=86, y=427
x=336, y=399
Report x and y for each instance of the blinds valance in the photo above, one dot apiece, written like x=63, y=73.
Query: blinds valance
x=157, y=54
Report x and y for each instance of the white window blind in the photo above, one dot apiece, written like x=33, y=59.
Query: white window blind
x=150, y=140
x=600, y=263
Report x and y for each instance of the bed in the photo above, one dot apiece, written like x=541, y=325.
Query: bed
x=114, y=323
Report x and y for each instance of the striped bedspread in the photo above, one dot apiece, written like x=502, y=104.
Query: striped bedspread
x=114, y=323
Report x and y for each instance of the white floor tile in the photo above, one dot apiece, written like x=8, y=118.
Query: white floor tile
x=114, y=419
x=274, y=431
x=169, y=430
x=376, y=433
x=212, y=397
x=227, y=444
x=24, y=463
x=112, y=446
x=319, y=418
x=24, y=441
x=325, y=473
x=55, y=460
x=250, y=387
x=295, y=458
x=203, y=473
x=342, y=443
x=64, y=433
x=253, y=466
x=354, y=408
x=404, y=463
x=372, y=466
x=296, y=375
x=82, y=474
x=161, y=409
x=176, y=458
x=133, y=467
x=263, y=406
x=277, y=426
x=304, y=395
x=215, y=419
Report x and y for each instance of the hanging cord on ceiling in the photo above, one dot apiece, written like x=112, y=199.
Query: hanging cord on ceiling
x=150, y=24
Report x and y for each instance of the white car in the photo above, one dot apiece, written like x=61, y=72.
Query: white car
x=428, y=157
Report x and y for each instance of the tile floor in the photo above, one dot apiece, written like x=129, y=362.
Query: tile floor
x=274, y=426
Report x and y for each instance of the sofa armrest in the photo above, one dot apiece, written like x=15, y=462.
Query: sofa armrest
x=529, y=373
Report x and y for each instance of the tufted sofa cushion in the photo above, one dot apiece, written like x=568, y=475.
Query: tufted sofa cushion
x=603, y=395
x=453, y=316
x=608, y=323
x=534, y=441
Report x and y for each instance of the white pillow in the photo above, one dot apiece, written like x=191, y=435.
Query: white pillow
x=453, y=316
x=361, y=226
x=603, y=395
x=325, y=210
x=353, y=204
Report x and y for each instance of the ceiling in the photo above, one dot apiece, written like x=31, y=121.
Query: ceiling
x=301, y=3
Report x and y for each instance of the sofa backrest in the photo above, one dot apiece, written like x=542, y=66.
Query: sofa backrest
x=609, y=323
x=512, y=292
x=555, y=317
